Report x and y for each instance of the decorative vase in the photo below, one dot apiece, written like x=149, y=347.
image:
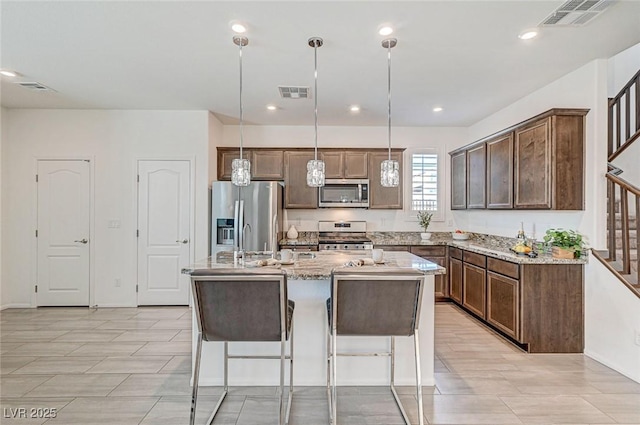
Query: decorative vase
x=425, y=236
x=292, y=233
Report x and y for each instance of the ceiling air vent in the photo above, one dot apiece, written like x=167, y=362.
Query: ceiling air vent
x=294, y=92
x=33, y=85
x=576, y=12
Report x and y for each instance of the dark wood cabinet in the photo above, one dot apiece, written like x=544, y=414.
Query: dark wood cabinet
x=549, y=163
x=266, y=164
x=459, y=180
x=438, y=255
x=500, y=172
x=296, y=192
x=503, y=309
x=455, y=279
x=536, y=164
x=406, y=248
x=383, y=197
x=474, y=289
x=476, y=177
x=345, y=164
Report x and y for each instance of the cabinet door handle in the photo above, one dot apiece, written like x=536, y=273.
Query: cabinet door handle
x=83, y=241
x=183, y=241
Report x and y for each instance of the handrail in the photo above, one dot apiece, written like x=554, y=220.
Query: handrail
x=624, y=89
x=624, y=146
x=623, y=183
x=622, y=114
x=616, y=273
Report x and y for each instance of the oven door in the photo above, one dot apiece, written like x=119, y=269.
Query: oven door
x=344, y=194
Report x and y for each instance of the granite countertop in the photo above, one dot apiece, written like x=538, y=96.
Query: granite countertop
x=490, y=245
x=320, y=265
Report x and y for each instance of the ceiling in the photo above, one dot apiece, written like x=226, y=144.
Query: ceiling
x=160, y=55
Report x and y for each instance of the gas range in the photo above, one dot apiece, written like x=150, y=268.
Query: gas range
x=343, y=235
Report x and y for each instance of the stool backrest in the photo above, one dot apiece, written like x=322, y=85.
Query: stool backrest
x=240, y=306
x=376, y=302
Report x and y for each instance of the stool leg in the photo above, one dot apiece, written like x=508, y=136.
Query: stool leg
x=416, y=343
x=329, y=376
x=196, y=377
x=286, y=419
x=283, y=338
x=334, y=365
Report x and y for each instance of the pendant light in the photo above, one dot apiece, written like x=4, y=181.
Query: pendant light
x=315, y=167
x=240, y=168
x=389, y=169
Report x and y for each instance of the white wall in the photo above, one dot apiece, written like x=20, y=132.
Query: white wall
x=216, y=130
x=583, y=88
x=611, y=322
x=115, y=139
x=442, y=138
x=4, y=288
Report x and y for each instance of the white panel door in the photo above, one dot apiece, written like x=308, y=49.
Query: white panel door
x=64, y=243
x=164, y=221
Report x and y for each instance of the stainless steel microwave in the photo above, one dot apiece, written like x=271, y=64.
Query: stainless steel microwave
x=344, y=193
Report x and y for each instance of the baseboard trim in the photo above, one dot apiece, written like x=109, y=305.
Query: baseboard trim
x=599, y=359
x=6, y=306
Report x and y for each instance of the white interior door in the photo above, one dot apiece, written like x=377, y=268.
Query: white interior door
x=64, y=243
x=164, y=222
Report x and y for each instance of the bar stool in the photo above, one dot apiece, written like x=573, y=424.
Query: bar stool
x=243, y=306
x=374, y=302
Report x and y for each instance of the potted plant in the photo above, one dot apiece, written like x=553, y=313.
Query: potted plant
x=564, y=243
x=424, y=219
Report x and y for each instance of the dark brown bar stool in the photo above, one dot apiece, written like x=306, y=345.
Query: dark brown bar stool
x=243, y=306
x=374, y=302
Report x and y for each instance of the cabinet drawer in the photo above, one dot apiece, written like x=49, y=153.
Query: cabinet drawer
x=503, y=267
x=475, y=259
x=300, y=248
x=455, y=252
x=429, y=251
x=392, y=247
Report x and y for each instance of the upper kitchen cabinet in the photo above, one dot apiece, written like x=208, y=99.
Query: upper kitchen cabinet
x=296, y=192
x=536, y=164
x=345, y=164
x=266, y=164
x=500, y=172
x=549, y=162
x=459, y=180
x=384, y=197
x=476, y=168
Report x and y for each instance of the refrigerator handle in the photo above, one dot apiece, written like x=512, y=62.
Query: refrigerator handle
x=241, y=225
x=236, y=226
x=274, y=237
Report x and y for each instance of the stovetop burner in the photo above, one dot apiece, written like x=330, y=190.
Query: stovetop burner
x=349, y=235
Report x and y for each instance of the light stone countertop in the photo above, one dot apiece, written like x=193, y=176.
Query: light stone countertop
x=490, y=245
x=320, y=265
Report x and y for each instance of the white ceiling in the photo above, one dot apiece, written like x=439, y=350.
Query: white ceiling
x=462, y=55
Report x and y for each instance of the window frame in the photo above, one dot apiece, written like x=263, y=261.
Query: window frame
x=439, y=214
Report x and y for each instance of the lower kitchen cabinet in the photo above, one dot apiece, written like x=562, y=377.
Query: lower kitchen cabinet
x=393, y=247
x=455, y=279
x=503, y=295
x=474, y=289
x=300, y=248
x=438, y=255
x=539, y=306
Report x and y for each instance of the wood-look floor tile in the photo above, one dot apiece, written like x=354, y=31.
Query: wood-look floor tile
x=130, y=364
x=58, y=365
x=84, y=385
x=101, y=411
x=177, y=364
x=555, y=409
x=92, y=335
x=147, y=335
x=31, y=411
x=172, y=410
x=153, y=384
x=33, y=336
x=622, y=408
x=107, y=349
x=42, y=349
x=9, y=364
x=127, y=324
x=19, y=385
x=165, y=349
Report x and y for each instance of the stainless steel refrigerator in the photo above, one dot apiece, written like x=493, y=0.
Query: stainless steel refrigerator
x=249, y=216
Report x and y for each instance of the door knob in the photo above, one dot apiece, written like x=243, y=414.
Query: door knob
x=183, y=241
x=82, y=241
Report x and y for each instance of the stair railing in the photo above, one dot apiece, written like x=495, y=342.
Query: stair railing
x=624, y=118
x=616, y=183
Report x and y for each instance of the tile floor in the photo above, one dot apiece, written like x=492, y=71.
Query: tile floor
x=132, y=366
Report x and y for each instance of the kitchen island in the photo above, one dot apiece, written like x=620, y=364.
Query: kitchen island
x=309, y=279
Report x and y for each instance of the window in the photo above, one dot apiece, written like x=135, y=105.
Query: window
x=425, y=182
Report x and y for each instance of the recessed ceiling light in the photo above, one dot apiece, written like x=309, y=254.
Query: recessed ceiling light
x=354, y=108
x=528, y=34
x=272, y=107
x=238, y=28
x=9, y=73
x=437, y=109
x=386, y=30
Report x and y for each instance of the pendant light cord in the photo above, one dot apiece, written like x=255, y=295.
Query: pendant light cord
x=241, y=109
x=315, y=98
x=389, y=93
